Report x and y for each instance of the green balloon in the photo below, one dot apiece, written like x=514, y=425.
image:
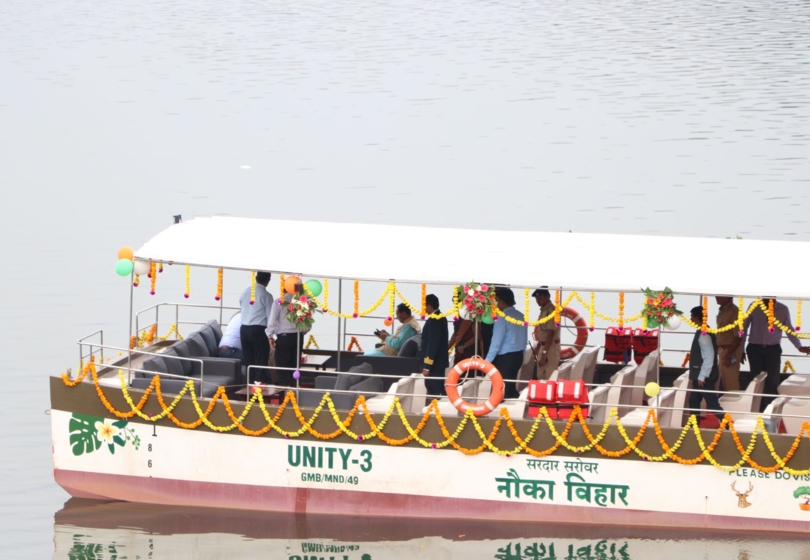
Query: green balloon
x=124, y=267
x=314, y=287
x=487, y=320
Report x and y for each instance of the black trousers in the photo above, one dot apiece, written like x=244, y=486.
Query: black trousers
x=256, y=351
x=767, y=359
x=287, y=346
x=509, y=365
x=435, y=387
x=712, y=399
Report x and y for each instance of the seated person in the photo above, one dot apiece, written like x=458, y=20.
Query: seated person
x=407, y=330
x=231, y=344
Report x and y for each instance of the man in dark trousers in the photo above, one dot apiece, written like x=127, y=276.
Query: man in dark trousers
x=703, y=369
x=434, y=349
x=255, y=315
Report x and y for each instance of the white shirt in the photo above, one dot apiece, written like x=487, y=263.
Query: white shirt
x=231, y=336
x=278, y=323
x=258, y=313
x=707, y=353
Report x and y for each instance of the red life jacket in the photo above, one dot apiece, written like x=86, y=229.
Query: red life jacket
x=617, y=345
x=559, y=398
x=644, y=343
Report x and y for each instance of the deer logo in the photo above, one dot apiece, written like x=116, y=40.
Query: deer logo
x=742, y=502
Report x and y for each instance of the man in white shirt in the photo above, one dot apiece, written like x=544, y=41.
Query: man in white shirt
x=287, y=342
x=255, y=316
x=231, y=344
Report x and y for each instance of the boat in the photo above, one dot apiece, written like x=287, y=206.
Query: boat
x=124, y=430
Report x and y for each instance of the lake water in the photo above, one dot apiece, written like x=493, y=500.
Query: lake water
x=677, y=118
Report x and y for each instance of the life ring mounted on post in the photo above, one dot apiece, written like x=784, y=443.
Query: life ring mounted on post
x=485, y=367
x=581, y=324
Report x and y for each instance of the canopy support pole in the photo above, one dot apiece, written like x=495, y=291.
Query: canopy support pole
x=340, y=340
x=131, y=308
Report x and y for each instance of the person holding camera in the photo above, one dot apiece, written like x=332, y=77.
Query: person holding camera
x=409, y=327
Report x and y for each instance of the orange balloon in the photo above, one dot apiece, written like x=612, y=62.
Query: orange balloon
x=388, y=323
x=126, y=253
x=290, y=282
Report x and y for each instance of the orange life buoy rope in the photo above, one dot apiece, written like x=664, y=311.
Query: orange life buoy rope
x=485, y=367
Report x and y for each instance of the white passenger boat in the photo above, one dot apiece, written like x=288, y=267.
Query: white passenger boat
x=162, y=423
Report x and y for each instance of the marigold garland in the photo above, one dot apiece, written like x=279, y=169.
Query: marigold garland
x=799, y=315
x=137, y=281
x=591, y=312
x=423, y=310
x=376, y=430
x=188, y=282
x=454, y=311
x=740, y=317
x=311, y=342
x=621, y=310
x=356, y=313
x=392, y=297
x=526, y=307
x=352, y=343
x=281, y=289
x=705, y=326
x=218, y=297
x=153, y=277
x=557, y=307
x=788, y=367
x=781, y=326
x=253, y=287
x=771, y=317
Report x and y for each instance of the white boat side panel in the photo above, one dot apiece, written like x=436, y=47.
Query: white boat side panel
x=201, y=456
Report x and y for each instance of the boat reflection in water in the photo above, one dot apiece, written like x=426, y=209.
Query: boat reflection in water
x=94, y=530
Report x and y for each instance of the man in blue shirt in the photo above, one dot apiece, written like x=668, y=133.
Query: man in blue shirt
x=508, y=342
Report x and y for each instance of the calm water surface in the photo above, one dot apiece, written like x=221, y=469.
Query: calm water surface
x=677, y=118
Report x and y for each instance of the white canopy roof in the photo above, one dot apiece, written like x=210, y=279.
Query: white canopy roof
x=572, y=261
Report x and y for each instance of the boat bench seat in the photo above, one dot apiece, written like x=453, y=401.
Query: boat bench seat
x=355, y=381
x=192, y=358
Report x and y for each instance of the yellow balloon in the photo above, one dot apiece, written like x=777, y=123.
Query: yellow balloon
x=652, y=389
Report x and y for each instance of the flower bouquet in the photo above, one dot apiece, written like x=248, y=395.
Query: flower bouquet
x=477, y=300
x=659, y=307
x=301, y=310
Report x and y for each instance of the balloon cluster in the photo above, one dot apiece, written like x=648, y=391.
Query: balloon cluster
x=125, y=266
x=291, y=284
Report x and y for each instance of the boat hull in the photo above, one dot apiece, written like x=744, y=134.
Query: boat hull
x=376, y=504
x=165, y=464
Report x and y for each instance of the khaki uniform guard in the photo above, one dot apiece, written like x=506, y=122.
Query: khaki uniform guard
x=729, y=348
x=548, y=351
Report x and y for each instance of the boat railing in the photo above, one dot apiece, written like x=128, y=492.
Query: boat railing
x=174, y=310
x=83, y=342
x=93, y=345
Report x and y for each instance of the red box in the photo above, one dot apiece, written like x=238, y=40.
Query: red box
x=644, y=343
x=542, y=392
x=570, y=393
x=618, y=343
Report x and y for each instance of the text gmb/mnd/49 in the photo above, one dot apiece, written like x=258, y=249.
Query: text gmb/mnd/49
x=327, y=457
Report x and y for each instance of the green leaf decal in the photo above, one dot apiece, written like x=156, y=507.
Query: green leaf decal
x=83, y=434
x=119, y=440
x=112, y=448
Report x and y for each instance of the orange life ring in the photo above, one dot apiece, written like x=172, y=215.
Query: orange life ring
x=479, y=364
x=582, y=333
